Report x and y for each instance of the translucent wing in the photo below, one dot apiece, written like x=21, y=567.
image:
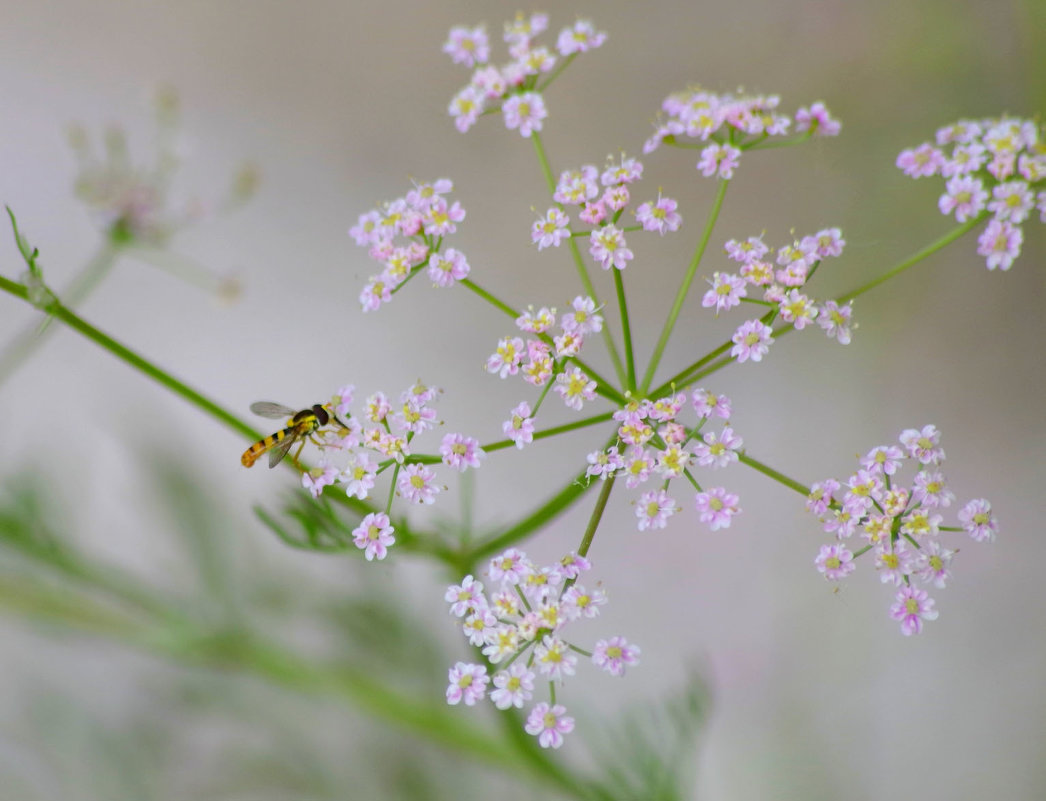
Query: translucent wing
x=277, y=453
x=274, y=411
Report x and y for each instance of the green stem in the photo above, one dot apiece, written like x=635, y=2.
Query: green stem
x=929, y=250
x=533, y=520
x=60, y=312
x=579, y=262
x=684, y=288
x=549, y=432
x=626, y=329
x=556, y=72
x=597, y=516
x=85, y=282
x=239, y=650
x=776, y=475
x=688, y=375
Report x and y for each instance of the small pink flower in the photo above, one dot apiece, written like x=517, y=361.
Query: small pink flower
x=374, y=535
x=912, y=608
x=374, y=294
x=550, y=230
x=933, y=563
x=465, y=107
x=358, y=477
x=468, y=46
x=1012, y=201
x=964, y=195
x=511, y=567
x=821, y=496
x=930, y=489
x=707, y=404
x=367, y=229
x=719, y=160
x=659, y=215
x=515, y=687
x=579, y=38
x=752, y=249
x=923, y=445
x=525, y=112
x=468, y=683
x=716, y=507
x=319, y=477
x=817, y=118
x=465, y=597
x=826, y=243
x=576, y=187
x=461, y=452
x=726, y=292
x=894, y=562
x=609, y=248
x=885, y=459
x=628, y=171
x=553, y=658
x=549, y=723
x=583, y=319
x=449, y=268
x=752, y=340
x=574, y=387
x=614, y=655
x=520, y=426
x=603, y=464
x=835, y=562
x=920, y=162
x=797, y=309
x=417, y=484
x=441, y=218
x=835, y=320
x=977, y=518
x=505, y=361
x=718, y=451
x=1000, y=242
x=654, y=508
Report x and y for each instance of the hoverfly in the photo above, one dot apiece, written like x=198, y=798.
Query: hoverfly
x=300, y=425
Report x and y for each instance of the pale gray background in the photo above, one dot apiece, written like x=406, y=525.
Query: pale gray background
x=816, y=694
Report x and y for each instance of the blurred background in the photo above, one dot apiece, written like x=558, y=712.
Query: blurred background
x=810, y=693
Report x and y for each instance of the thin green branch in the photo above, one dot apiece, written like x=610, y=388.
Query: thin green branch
x=915, y=258
x=60, y=312
x=86, y=281
x=550, y=432
x=597, y=516
x=579, y=262
x=684, y=288
x=626, y=329
x=776, y=475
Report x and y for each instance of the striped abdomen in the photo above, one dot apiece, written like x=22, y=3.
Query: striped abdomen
x=250, y=456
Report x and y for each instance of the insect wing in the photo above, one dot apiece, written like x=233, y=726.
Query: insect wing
x=274, y=411
x=277, y=453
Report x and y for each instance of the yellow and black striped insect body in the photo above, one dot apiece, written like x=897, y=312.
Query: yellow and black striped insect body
x=300, y=425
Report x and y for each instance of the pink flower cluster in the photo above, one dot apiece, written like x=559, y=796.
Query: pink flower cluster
x=405, y=236
x=602, y=197
x=357, y=449
x=901, y=526
x=526, y=612
x=652, y=444
x=779, y=283
x=731, y=124
x=542, y=356
x=992, y=165
x=515, y=86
